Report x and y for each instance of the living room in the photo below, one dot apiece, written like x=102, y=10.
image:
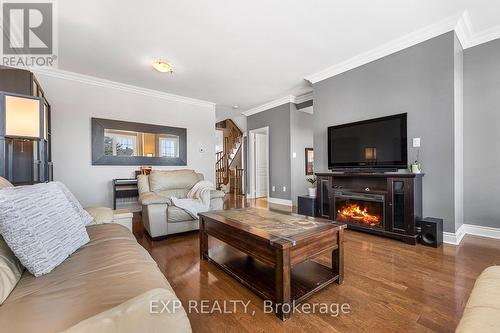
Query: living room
x=218, y=163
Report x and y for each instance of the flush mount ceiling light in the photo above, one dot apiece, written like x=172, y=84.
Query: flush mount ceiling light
x=163, y=66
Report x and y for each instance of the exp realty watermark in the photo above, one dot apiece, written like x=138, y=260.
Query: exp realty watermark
x=29, y=33
x=244, y=306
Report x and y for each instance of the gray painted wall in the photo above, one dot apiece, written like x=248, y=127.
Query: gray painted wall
x=302, y=133
x=482, y=134
x=278, y=120
x=418, y=80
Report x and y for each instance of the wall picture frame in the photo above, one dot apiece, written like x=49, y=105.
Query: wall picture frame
x=309, y=161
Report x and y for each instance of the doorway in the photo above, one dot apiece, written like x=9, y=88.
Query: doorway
x=259, y=162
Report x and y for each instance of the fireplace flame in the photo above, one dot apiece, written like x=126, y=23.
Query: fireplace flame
x=353, y=212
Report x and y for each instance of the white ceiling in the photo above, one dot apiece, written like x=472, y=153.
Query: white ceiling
x=239, y=52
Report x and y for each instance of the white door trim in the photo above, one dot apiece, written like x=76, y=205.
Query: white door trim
x=251, y=162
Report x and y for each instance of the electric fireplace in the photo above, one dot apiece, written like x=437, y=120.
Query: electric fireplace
x=367, y=210
x=384, y=204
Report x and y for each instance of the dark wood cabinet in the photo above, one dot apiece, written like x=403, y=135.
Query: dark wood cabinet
x=323, y=204
x=23, y=159
x=386, y=204
x=306, y=205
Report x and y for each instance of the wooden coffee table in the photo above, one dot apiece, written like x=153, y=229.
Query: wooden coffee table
x=270, y=252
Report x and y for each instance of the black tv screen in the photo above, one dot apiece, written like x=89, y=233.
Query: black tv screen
x=374, y=143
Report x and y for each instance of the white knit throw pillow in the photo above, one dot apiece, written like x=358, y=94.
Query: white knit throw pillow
x=40, y=226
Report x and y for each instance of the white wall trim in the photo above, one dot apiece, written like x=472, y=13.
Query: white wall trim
x=463, y=29
x=309, y=110
x=477, y=230
x=91, y=80
x=484, y=37
x=270, y=105
x=304, y=98
x=252, y=162
x=278, y=201
x=469, y=38
x=454, y=238
x=470, y=229
x=460, y=23
x=278, y=102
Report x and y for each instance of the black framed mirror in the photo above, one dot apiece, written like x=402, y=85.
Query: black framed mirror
x=116, y=142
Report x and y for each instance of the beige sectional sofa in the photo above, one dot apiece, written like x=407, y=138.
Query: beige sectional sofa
x=108, y=285
x=91, y=291
x=482, y=312
x=159, y=216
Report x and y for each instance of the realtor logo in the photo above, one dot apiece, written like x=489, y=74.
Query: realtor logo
x=28, y=33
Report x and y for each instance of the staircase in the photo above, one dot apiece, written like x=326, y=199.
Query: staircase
x=228, y=162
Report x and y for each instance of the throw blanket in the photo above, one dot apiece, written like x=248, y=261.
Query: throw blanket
x=197, y=200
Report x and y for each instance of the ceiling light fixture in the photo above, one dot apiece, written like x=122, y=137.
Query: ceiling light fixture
x=163, y=66
x=236, y=107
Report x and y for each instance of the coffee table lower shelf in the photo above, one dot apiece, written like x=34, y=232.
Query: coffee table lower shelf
x=306, y=278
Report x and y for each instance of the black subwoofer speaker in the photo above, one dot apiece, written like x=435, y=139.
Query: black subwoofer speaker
x=431, y=231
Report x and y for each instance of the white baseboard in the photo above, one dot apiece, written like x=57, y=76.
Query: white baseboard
x=477, y=230
x=470, y=229
x=280, y=201
x=454, y=238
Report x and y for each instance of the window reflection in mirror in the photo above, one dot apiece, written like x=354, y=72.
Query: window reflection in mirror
x=130, y=143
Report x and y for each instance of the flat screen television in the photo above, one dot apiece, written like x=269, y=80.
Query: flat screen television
x=370, y=144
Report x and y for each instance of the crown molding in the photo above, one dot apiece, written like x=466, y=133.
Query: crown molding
x=460, y=23
x=91, y=80
x=463, y=30
x=384, y=50
x=270, y=105
x=485, y=36
x=304, y=98
x=277, y=102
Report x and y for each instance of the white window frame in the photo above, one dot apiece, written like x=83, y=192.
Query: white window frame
x=168, y=138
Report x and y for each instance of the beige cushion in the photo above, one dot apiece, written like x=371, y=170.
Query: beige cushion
x=175, y=214
x=130, y=317
x=100, y=214
x=5, y=183
x=122, y=213
x=178, y=193
x=172, y=179
x=482, y=312
x=10, y=270
x=150, y=198
x=143, y=183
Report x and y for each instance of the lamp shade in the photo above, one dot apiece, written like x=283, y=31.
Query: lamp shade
x=370, y=154
x=22, y=117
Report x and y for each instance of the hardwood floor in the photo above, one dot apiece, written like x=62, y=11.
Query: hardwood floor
x=389, y=285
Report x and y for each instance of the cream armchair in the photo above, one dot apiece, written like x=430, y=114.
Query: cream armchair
x=159, y=216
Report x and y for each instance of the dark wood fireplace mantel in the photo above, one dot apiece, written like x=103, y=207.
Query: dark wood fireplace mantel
x=399, y=196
